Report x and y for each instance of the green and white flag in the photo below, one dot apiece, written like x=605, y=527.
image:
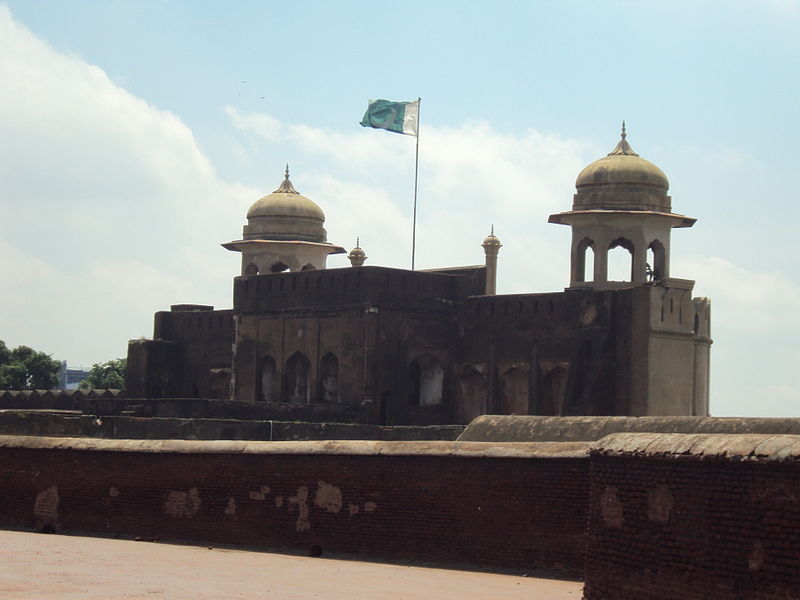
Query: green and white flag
x=400, y=117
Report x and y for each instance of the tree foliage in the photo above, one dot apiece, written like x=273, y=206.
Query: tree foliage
x=24, y=368
x=107, y=375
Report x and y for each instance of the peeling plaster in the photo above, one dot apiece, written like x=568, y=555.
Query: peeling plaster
x=278, y=501
x=328, y=497
x=659, y=504
x=301, y=500
x=611, y=508
x=260, y=494
x=45, y=509
x=370, y=506
x=230, y=509
x=181, y=504
x=113, y=492
x=352, y=509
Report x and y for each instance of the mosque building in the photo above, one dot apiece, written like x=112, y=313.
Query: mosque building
x=392, y=346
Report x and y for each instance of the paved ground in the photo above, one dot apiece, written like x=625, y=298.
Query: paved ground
x=59, y=567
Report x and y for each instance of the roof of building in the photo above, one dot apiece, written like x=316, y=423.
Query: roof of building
x=286, y=202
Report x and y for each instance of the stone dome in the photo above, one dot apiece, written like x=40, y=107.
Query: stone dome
x=622, y=180
x=285, y=214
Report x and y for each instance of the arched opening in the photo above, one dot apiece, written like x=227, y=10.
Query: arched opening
x=384, y=416
x=426, y=378
x=656, y=261
x=553, y=387
x=266, y=380
x=296, y=379
x=251, y=269
x=308, y=267
x=470, y=395
x=514, y=392
x=580, y=401
x=329, y=378
x=620, y=260
x=584, y=267
x=279, y=267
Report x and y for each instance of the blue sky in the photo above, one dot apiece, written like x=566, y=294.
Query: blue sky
x=134, y=135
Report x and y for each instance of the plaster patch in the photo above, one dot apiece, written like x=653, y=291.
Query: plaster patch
x=756, y=559
x=113, y=492
x=659, y=504
x=352, y=509
x=182, y=504
x=260, y=494
x=278, y=501
x=230, y=509
x=611, y=507
x=370, y=506
x=328, y=497
x=45, y=509
x=301, y=500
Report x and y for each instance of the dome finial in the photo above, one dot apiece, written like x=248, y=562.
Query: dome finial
x=624, y=135
x=357, y=256
x=286, y=186
x=623, y=147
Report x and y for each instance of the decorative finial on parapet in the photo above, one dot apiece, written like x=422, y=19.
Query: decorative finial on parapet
x=491, y=246
x=623, y=134
x=286, y=186
x=491, y=240
x=357, y=256
x=623, y=147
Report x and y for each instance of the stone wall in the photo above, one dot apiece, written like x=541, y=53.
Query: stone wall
x=694, y=517
x=72, y=424
x=511, y=506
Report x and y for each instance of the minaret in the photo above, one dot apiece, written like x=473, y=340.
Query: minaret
x=491, y=245
x=357, y=255
x=621, y=200
x=284, y=231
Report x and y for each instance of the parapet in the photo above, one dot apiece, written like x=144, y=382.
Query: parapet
x=522, y=428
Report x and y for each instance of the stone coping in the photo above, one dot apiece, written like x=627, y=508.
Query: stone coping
x=330, y=447
x=698, y=446
x=524, y=428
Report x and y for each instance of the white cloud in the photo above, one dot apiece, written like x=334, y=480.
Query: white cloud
x=109, y=209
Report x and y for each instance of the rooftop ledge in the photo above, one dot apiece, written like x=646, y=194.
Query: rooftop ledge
x=564, y=218
x=330, y=447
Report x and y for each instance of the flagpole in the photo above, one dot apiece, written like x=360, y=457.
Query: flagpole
x=416, y=178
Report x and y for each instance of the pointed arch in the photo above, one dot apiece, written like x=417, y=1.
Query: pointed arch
x=619, y=264
x=471, y=394
x=251, y=269
x=296, y=389
x=426, y=380
x=329, y=378
x=514, y=392
x=266, y=380
x=581, y=273
x=554, y=386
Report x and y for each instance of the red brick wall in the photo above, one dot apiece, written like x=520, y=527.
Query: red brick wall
x=698, y=517
x=523, y=509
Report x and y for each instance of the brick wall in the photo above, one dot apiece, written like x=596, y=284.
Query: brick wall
x=694, y=517
x=471, y=504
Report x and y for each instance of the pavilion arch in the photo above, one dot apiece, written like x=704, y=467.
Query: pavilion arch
x=625, y=243
x=279, y=267
x=426, y=381
x=308, y=267
x=251, y=269
x=296, y=388
x=659, y=264
x=329, y=378
x=266, y=382
x=581, y=274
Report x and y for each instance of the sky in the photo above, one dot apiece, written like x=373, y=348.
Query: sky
x=134, y=135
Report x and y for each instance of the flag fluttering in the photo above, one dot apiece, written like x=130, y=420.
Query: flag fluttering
x=399, y=117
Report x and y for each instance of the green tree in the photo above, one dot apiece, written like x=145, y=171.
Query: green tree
x=107, y=375
x=24, y=368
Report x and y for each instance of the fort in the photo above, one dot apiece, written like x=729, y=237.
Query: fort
x=386, y=414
